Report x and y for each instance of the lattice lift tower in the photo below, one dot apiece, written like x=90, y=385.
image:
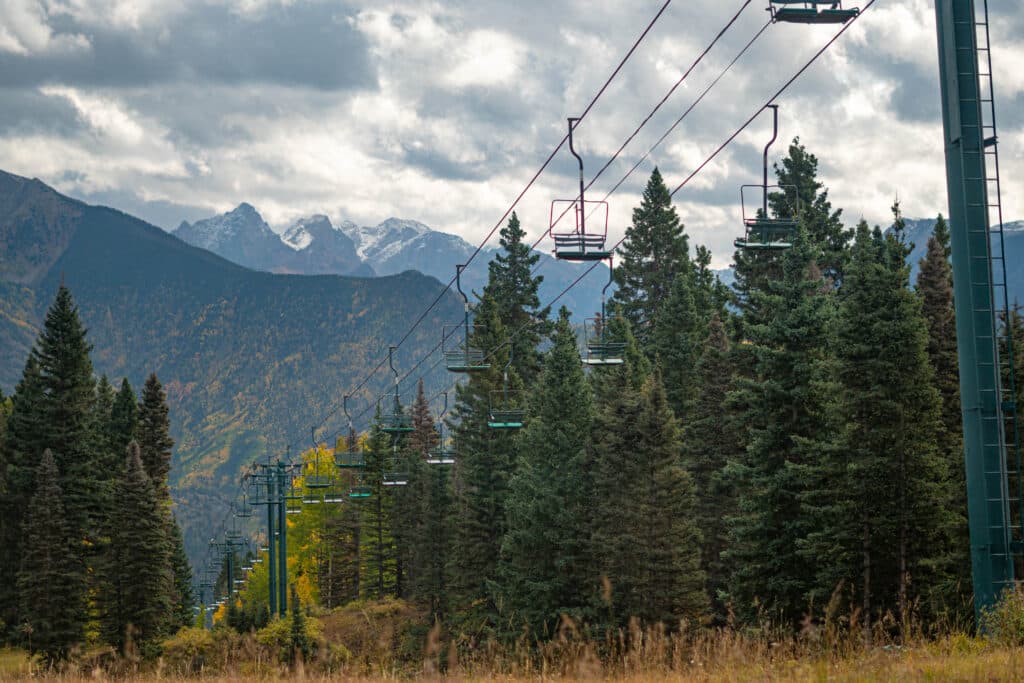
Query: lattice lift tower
x=987, y=393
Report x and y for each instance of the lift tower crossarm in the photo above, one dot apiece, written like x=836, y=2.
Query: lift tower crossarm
x=984, y=407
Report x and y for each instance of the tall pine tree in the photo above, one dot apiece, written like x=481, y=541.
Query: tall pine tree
x=50, y=584
x=654, y=252
x=545, y=570
x=709, y=443
x=512, y=287
x=785, y=415
x=138, y=587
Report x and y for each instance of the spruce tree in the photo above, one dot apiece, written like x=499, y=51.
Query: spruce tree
x=709, y=443
x=124, y=417
x=480, y=479
x=51, y=584
x=545, y=570
x=378, y=552
x=512, y=287
x=62, y=354
x=935, y=287
x=888, y=522
x=676, y=342
x=154, y=436
x=616, y=472
x=25, y=440
x=432, y=507
x=785, y=417
x=182, y=598
x=669, y=542
x=654, y=252
x=137, y=596
x=802, y=194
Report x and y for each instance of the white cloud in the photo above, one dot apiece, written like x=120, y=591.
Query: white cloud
x=471, y=97
x=25, y=30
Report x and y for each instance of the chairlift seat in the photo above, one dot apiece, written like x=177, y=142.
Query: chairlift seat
x=441, y=456
x=317, y=481
x=505, y=419
x=767, y=234
x=312, y=499
x=812, y=12
x=395, y=479
x=396, y=423
x=360, y=492
x=349, y=459
x=800, y=15
x=605, y=353
x=580, y=247
x=466, y=360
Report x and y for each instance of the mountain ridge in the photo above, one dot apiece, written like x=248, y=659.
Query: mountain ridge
x=315, y=245
x=249, y=359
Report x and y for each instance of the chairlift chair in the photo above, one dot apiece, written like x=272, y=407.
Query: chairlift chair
x=244, y=509
x=443, y=453
x=506, y=407
x=602, y=350
x=395, y=421
x=762, y=231
x=811, y=11
x=351, y=456
x=293, y=501
x=586, y=240
x=456, y=340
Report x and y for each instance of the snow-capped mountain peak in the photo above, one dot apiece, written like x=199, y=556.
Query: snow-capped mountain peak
x=303, y=231
x=385, y=239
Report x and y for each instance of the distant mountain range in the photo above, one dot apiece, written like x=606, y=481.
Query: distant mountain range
x=314, y=245
x=249, y=359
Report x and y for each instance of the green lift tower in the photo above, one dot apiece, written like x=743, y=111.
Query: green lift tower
x=982, y=309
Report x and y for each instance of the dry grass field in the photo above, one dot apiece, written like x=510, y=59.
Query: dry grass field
x=952, y=659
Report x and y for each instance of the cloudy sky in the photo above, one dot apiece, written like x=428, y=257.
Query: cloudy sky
x=441, y=111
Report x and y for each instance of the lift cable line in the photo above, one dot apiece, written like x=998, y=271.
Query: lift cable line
x=681, y=185
x=664, y=99
x=774, y=97
x=509, y=210
x=704, y=164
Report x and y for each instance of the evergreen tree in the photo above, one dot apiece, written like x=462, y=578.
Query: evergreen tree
x=802, y=194
x=545, y=571
x=182, y=598
x=511, y=286
x=50, y=584
x=124, y=417
x=300, y=642
x=888, y=518
x=655, y=251
x=433, y=511
x=709, y=443
x=617, y=517
x=154, y=436
x=480, y=483
x=785, y=416
x=137, y=596
x=935, y=287
x=68, y=427
x=676, y=342
x=378, y=553
x=25, y=439
x=669, y=543
x=103, y=404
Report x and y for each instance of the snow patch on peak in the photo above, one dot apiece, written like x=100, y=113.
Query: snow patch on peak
x=385, y=239
x=304, y=231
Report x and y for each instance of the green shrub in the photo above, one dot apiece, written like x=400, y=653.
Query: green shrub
x=1004, y=622
x=188, y=650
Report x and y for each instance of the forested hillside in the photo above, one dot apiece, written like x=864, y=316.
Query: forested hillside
x=249, y=360
x=785, y=455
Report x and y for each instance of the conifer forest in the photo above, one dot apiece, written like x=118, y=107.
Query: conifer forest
x=804, y=466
